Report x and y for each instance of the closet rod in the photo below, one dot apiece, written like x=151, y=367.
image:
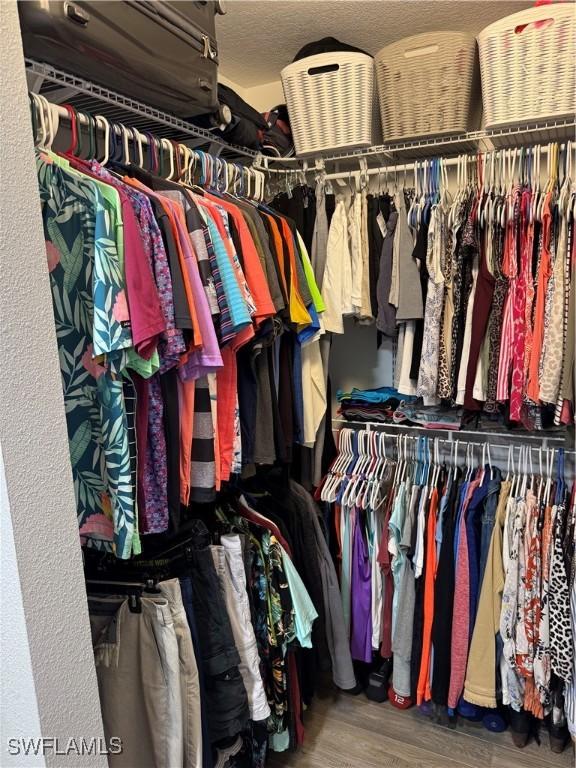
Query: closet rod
x=448, y=161
x=453, y=432
x=494, y=446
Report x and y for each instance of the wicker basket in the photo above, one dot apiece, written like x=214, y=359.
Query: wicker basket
x=428, y=85
x=330, y=99
x=527, y=64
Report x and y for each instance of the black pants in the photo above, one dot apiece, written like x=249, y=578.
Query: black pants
x=226, y=699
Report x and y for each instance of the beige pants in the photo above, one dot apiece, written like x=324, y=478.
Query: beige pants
x=189, y=682
x=138, y=668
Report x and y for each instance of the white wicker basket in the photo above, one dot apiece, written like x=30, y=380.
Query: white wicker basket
x=330, y=100
x=428, y=85
x=527, y=64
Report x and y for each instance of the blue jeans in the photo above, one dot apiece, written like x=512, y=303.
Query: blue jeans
x=488, y=518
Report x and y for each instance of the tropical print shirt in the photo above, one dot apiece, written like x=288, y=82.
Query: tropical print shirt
x=90, y=313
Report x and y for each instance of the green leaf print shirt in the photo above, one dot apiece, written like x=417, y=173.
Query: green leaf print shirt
x=90, y=313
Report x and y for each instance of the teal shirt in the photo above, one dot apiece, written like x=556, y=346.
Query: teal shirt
x=304, y=611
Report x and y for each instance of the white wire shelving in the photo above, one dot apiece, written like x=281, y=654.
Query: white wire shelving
x=59, y=86
x=556, y=438
x=85, y=96
x=471, y=142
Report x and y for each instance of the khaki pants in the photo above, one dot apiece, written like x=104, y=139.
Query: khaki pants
x=138, y=669
x=189, y=682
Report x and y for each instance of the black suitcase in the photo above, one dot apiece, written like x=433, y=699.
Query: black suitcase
x=161, y=53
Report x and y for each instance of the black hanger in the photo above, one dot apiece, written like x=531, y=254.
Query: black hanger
x=132, y=589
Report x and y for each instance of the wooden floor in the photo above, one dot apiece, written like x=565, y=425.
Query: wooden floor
x=351, y=732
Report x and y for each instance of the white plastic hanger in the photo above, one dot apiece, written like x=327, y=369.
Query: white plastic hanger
x=103, y=123
x=347, y=459
x=326, y=491
x=52, y=120
x=40, y=140
x=369, y=472
x=351, y=474
x=540, y=476
x=350, y=493
x=509, y=463
x=138, y=140
x=549, y=466
x=125, y=148
x=170, y=147
x=37, y=122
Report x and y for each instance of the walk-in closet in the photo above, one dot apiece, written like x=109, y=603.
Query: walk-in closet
x=288, y=384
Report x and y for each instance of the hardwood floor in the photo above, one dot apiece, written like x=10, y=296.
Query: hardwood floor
x=351, y=732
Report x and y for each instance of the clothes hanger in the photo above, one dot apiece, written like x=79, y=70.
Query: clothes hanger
x=345, y=447
x=33, y=104
x=367, y=476
x=166, y=144
x=531, y=484
x=52, y=120
x=350, y=494
x=514, y=478
x=380, y=450
x=328, y=480
x=407, y=460
x=92, y=138
x=549, y=466
x=102, y=122
x=254, y=175
x=524, y=462
x=351, y=472
x=188, y=166
x=364, y=470
x=398, y=460
x=540, y=483
x=410, y=213
x=483, y=462
x=126, y=133
x=139, y=141
x=484, y=200
x=370, y=472
x=437, y=461
x=73, y=119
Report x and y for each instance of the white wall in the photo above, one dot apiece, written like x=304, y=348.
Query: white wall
x=19, y=710
x=49, y=685
x=240, y=90
x=264, y=97
x=261, y=97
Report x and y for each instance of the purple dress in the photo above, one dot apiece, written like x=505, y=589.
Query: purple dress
x=361, y=637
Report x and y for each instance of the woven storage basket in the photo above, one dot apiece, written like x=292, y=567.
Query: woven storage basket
x=527, y=64
x=330, y=99
x=428, y=85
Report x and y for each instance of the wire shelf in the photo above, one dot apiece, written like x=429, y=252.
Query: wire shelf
x=559, y=438
x=59, y=87
x=474, y=141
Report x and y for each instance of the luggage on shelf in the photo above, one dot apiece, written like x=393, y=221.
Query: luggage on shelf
x=162, y=53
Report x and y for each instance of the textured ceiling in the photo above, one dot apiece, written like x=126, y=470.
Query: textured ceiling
x=257, y=38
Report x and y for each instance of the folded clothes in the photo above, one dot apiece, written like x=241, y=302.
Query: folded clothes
x=386, y=405
x=362, y=414
x=429, y=417
x=379, y=395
